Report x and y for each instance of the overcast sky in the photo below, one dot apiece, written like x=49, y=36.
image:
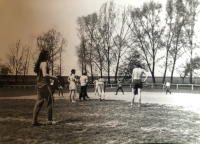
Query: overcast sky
x=21, y=19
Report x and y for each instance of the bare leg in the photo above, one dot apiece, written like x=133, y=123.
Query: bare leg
x=70, y=97
x=102, y=91
x=139, y=94
x=99, y=91
x=133, y=92
x=96, y=89
x=61, y=90
x=73, y=94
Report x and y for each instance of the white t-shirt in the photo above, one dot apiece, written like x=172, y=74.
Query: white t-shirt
x=83, y=80
x=167, y=84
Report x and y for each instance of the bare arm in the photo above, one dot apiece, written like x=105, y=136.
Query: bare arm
x=145, y=73
x=132, y=77
x=86, y=79
x=43, y=67
x=68, y=79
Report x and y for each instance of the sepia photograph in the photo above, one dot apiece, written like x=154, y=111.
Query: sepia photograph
x=99, y=71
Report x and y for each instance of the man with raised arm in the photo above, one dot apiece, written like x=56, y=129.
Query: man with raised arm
x=137, y=82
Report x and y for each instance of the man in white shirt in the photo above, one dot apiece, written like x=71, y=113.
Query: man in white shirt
x=167, y=85
x=83, y=82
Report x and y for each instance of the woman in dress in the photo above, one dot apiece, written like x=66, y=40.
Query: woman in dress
x=43, y=87
x=72, y=86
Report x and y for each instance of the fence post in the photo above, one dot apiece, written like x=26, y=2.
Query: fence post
x=192, y=87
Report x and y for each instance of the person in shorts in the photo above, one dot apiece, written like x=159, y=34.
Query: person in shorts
x=137, y=74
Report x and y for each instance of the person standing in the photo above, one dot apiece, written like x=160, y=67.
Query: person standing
x=95, y=86
x=72, y=86
x=83, y=82
x=119, y=86
x=61, y=85
x=101, y=88
x=43, y=87
x=167, y=85
x=137, y=74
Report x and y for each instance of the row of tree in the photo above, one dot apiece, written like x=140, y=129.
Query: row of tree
x=153, y=35
x=20, y=56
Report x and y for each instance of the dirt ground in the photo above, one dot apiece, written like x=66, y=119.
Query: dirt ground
x=188, y=101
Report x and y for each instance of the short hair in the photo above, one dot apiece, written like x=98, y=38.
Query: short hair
x=73, y=71
x=138, y=65
x=84, y=73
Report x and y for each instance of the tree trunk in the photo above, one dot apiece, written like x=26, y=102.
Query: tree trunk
x=108, y=65
x=191, y=68
x=16, y=77
x=171, y=79
x=166, y=60
x=117, y=67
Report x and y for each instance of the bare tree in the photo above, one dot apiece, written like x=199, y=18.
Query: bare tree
x=121, y=40
x=191, y=17
x=178, y=42
x=82, y=50
x=90, y=27
x=106, y=28
x=26, y=60
x=15, y=58
x=4, y=69
x=63, y=44
x=51, y=41
x=147, y=29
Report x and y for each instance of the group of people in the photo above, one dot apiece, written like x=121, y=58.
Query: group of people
x=73, y=86
x=45, y=92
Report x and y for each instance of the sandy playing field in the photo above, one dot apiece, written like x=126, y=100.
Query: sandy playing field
x=189, y=101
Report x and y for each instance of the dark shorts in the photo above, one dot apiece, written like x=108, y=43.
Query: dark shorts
x=137, y=84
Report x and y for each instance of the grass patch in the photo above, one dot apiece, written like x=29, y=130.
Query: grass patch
x=98, y=122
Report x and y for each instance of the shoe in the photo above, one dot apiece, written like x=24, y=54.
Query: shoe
x=87, y=97
x=115, y=94
x=73, y=101
x=52, y=122
x=100, y=99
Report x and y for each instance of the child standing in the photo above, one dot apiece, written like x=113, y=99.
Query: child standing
x=119, y=86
